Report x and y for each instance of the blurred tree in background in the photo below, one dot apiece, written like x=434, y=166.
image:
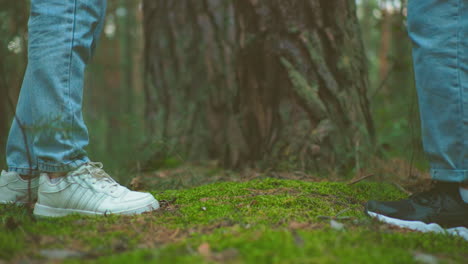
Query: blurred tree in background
x=392, y=93
x=13, y=58
x=277, y=84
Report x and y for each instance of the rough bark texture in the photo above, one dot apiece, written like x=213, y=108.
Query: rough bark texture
x=190, y=82
x=260, y=80
x=310, y=54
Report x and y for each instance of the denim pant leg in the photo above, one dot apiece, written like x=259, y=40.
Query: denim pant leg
x=62, y=36
x=438, y=29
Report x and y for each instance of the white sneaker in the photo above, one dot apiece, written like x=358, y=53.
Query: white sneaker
x=13, y=189
x=90, y=191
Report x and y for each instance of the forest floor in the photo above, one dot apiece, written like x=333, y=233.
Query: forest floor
x=231, y=218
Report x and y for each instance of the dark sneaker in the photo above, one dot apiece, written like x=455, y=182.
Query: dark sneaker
x=433, y=210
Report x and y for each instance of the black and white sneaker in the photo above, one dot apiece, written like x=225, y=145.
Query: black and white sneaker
x=440, y=209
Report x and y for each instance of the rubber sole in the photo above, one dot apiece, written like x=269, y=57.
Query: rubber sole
x=43, y=211
x=421, y=226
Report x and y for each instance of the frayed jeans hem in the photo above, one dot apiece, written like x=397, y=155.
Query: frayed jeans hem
x=70, y=166
x=24, y=171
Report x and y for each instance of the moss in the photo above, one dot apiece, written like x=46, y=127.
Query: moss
x=261, y=244
x=265, y=221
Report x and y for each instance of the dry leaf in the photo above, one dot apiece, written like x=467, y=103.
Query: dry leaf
x=136, y=183
x=204, y=250
x=298, y=225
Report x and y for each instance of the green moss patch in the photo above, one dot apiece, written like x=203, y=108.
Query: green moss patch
x=261, y=221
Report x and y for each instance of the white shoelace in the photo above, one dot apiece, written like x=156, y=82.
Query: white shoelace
x=94, y=171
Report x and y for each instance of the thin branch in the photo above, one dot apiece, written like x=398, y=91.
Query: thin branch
x=354, y=181
x=23, y=132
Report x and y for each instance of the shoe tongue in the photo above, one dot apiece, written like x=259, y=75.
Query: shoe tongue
x=94, y=171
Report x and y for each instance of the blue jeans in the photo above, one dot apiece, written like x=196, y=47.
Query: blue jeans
x=62, y=36
x=439, y=31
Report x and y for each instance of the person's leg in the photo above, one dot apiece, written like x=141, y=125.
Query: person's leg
x=48, y=133
x=438, y=30
x=62, y=35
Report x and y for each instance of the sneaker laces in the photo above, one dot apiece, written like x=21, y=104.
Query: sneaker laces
x=94, y=169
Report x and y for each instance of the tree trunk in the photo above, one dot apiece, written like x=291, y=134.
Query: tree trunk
x=190, y=84
x=13, y=59
x=307, y=54
x=125, y=12
x=4, y=109
x=278, y=81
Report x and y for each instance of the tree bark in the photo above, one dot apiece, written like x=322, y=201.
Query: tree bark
x=190, y=84
x=259, y=80
x=307, y=54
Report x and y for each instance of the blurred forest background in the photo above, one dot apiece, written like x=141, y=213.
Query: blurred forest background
x=314, y=86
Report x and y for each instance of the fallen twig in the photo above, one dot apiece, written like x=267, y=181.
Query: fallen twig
x=354, y=181
x=343, y=211
x=401, y=188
